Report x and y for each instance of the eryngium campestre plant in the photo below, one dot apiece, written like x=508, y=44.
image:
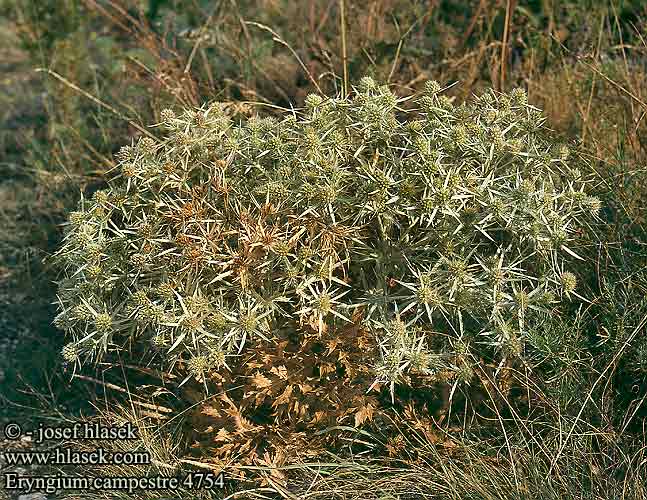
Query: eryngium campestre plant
x=445, y=221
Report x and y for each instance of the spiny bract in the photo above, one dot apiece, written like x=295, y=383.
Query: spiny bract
x=444, y=218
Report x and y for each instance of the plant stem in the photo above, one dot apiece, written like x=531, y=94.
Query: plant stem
x=342, y=20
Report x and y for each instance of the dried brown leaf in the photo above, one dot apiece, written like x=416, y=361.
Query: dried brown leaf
x=284, y=398
x=363, y=414
x=211, y=411
x=281, y=372
x=261, y=381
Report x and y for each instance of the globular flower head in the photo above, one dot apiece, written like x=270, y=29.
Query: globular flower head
x=103, y=322
x=248, y=321
x=459, y=135
x=70, y=353
x=101, y=197
x=518, y=97
x=165, y=291
x=217, y=358
x=198, y=365
x=547, y=298
x=427, y=295
x=446, y=103
x=568, y=282
x=77, y=217
x=465, y=373
x=167, y=115
x=427, y=104
x=146, y=145
x=138, y=260
x=198, y=305
x=366, y=83
x=93, y=271
x=140, y=298
x=592, y=205
x=160, y=341
x=420, y=361
x=125, y=154
x=82, y=312
x=397, y=328
x=63, y=321
x=431, y=88
x=216, y=321
x=191, y=323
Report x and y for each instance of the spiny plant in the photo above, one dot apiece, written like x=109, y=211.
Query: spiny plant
x=445, y=231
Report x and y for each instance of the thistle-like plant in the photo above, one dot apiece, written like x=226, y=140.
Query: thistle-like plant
x=460, y=220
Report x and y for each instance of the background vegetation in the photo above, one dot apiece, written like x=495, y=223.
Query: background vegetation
x=81, y=78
